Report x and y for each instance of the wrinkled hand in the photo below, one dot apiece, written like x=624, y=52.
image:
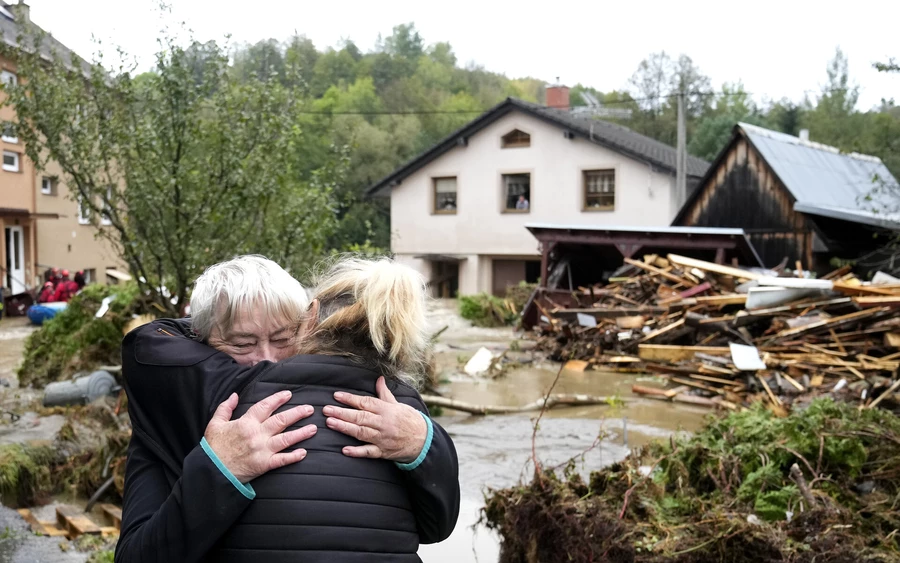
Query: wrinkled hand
x=393, y=430
x=251, y=445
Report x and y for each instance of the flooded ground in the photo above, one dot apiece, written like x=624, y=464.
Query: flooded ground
x=494, y=451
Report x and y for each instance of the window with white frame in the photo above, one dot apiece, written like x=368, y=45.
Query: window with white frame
x=48, y=185
x=10, y=161
x=84, y=211
x=9, y=133
x=8, y=78
x=104, y=214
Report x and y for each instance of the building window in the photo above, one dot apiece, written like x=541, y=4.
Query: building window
x=10, y=161
x=48, y=186
x=9, y=133
x=90, y=275
x=105, y=218
x=8, y=78
x=599, y=190
x=515, y=139
x=445, y=195
x=517, y=190
x=84, y=211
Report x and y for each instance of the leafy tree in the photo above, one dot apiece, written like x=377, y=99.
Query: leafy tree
x=177, y=173
x=263, y=60
x=714, y=129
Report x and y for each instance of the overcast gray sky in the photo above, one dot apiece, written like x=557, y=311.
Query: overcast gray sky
x=777, y=48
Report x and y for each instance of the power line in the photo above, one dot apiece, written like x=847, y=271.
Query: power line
x=479, y=111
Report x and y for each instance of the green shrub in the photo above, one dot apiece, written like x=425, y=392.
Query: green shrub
x=75, y=340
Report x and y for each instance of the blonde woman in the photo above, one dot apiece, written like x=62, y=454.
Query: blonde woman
x=361, y=340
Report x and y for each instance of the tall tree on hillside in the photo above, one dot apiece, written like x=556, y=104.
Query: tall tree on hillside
x=262, y=60
x=176, y=173
x=714, y=129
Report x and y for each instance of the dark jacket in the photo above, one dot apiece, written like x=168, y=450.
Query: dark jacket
x=179, y=507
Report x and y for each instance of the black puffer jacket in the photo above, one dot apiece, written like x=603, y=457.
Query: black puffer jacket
x=178, y=507
x=329, y=507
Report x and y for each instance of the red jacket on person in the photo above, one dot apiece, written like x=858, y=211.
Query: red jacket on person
x=65, y=290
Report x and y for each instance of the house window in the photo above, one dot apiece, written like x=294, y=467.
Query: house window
x=9, y=133
x=104, y=214
x=445, y=195
x=515, y=139
x=8, y=78
x=10, y=161
x=84, y=211
x=48, y=186
x=517, y=190
x=599, y=190
x=90, y=275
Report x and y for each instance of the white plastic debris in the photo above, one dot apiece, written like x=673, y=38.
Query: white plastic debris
x=880, y=278
x=752, y=519
x=480, y=363
x=586, y=320
x=104, y=306
x=840, y=385
x=746, y=358
x=789, y=515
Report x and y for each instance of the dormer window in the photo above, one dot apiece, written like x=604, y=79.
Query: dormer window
x=515, y=139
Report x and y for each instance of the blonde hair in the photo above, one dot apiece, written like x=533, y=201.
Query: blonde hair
x=238, y=286
x=374, y=312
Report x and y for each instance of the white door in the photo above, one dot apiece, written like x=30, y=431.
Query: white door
x=15, y=259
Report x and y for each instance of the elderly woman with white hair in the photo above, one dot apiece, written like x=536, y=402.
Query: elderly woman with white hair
x=213, y=470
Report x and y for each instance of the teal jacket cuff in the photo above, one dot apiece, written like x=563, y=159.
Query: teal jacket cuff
x=245, y=489
x=418, y=461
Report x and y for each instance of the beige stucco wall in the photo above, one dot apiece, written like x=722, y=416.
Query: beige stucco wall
x=481, y=230
x=63, y=242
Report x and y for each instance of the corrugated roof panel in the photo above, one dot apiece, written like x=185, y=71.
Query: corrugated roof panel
x=817, y=174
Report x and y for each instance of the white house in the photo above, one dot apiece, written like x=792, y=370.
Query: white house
x=459, y=210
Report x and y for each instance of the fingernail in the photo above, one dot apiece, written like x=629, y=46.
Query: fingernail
x=328, y=410
x=330, y=422
x=346, y=451
x=308, y=409
x=302, y=453
x=286, y=394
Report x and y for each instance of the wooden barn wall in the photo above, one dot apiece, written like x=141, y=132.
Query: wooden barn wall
x=744, y=193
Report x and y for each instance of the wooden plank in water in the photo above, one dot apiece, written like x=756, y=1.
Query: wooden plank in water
x=75, y=522
x=113, y=513
x=40, y=527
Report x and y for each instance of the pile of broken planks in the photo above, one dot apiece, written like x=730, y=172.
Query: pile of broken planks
x=725, y=336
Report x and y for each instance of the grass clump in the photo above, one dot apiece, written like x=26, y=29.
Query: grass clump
x=25, y=472
x=487, y=310
x=75, y=340
x=723, y=494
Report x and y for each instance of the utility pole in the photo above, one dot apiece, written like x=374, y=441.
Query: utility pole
x=681, y=155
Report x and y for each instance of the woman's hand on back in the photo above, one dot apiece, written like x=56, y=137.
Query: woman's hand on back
x=253, y=444
x=391, y=429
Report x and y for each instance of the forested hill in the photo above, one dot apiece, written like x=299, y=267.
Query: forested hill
x=380, y=107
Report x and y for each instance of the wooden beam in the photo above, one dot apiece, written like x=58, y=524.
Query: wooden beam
x=829, y=323
x=686, y=262
x=657, y=271
x=668, y=353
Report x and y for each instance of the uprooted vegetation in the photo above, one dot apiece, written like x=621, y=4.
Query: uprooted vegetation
x=723, y=494
x=89, y=449
x=486, y=310
x=76, y=340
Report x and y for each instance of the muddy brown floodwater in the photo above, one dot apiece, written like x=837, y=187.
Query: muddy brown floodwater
x=494, y=451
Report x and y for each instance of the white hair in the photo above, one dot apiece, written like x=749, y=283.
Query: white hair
x=229, y=289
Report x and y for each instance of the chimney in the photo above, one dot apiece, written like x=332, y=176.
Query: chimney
x=804, y=135
x=22, y=12
x=558, y=96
